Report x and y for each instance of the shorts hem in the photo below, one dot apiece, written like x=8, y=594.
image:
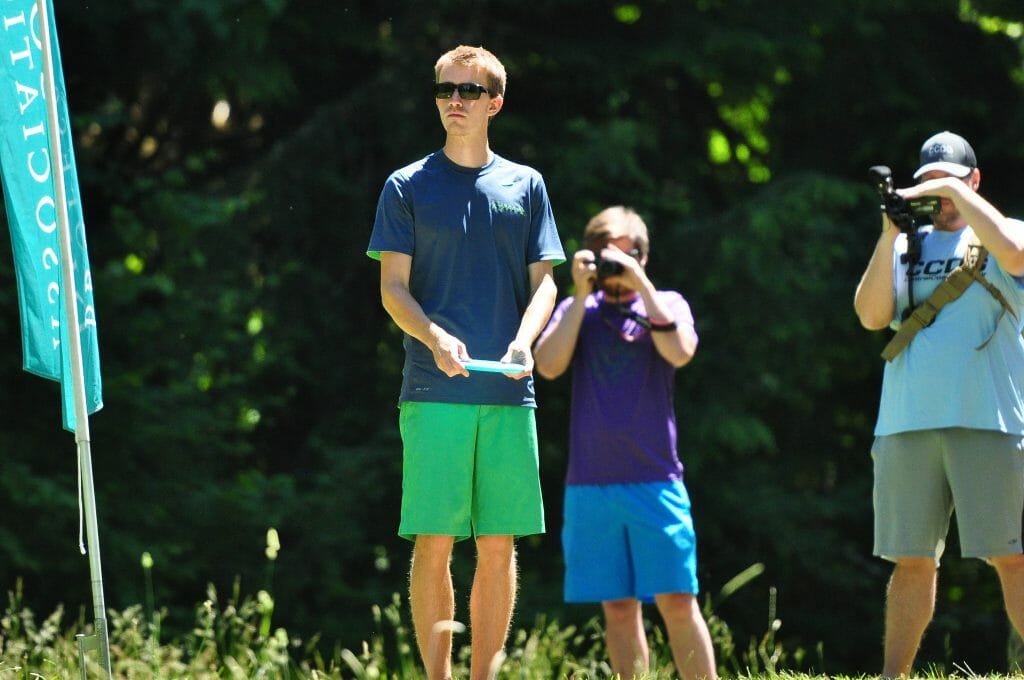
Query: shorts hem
x=531, y=531
x=577, y=597
x=597, y=599
x=894, y=555
x=988, y=554
x=411, y=534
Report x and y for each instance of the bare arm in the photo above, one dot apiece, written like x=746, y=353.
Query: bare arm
x=553, y=352
x=677, y=346
x=875, y=298
x=407, y=313
x=542, y=300
x=1003, y=238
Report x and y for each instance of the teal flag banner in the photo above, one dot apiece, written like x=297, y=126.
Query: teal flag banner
x=27, y=164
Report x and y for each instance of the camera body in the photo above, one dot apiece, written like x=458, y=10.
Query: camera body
x=902, y=211
x=607, y=268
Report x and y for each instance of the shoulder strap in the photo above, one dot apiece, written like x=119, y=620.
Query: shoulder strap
x=949, y=290
x=995, y=293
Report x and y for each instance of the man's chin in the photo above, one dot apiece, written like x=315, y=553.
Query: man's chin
x=946, y=220
x=612, y=288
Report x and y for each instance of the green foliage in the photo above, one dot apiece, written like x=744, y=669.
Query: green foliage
x=251, y=374
x=237, y=638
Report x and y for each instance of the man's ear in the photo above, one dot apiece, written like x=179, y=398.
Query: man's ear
x=494, y=105
x=976, y=179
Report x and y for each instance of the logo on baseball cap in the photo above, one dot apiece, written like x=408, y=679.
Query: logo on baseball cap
x=949, y=153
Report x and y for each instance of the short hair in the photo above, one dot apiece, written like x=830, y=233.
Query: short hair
x=616, y=222
x=478, y=57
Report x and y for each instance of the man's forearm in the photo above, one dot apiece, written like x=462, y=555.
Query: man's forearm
x=874, y=300
x=407, y=314
x=538, y=311
x=553, y=352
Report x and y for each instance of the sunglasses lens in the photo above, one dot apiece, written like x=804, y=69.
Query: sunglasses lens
x=466, y=90
x=444, y=90
x=469, y=91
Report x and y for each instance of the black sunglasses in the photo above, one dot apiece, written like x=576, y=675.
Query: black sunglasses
x=466, y=90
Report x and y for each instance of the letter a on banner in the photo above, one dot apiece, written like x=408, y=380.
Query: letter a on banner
x=28, y=163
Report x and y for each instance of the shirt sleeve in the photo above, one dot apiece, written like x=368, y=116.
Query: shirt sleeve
x=393, y=226
x=544, y=241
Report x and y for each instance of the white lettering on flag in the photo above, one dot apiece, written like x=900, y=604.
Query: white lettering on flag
x=28, y=164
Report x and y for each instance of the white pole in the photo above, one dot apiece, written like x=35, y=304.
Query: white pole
x=99, y=638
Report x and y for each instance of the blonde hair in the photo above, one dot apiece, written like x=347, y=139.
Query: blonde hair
x=616, y=222
x=476, y=57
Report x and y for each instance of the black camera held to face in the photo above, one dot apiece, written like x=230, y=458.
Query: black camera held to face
x=607, y=268
x=903, y=212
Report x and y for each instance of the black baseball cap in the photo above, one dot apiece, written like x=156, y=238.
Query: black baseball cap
x=947, y=152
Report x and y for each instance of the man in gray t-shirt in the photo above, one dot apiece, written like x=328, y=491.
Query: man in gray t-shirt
x=950, y=430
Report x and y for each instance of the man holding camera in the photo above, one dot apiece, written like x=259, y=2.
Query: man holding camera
x=627, y=533
x=950, y=430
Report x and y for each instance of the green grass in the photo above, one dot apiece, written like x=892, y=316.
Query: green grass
x=236, y=638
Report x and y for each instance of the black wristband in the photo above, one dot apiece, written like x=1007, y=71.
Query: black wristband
x=657, y=327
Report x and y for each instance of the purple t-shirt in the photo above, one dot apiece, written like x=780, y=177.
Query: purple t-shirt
x=623, y=419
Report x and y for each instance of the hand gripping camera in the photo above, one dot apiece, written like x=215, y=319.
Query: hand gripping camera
x=903, y=212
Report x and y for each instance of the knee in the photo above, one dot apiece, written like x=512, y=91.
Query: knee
x=618, y=611
x=916, y=567
x=495, y=549
x=432, y=548
x=1008, y=565
x=679, y=608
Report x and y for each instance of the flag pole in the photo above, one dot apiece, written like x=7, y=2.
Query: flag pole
x=98, y=641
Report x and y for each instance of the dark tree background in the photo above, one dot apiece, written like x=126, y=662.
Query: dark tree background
x=251, y=374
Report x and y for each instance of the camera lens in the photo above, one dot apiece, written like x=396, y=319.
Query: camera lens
x=606, y=268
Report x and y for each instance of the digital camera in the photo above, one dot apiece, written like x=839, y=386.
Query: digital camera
x=606, y=268
x=903, y=212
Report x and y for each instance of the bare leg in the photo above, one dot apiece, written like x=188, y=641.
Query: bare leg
x=688, y=636
x=909, y=609
x=491, y=602
x=627, y=640
x=1011, y=576
x=432, y=599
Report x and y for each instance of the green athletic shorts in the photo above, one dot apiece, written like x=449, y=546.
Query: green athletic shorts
x=469, y=470
x=922, y=476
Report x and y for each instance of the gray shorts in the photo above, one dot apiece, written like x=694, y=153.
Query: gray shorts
x=922, y=476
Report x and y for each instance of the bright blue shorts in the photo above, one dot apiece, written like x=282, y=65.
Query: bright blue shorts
x=628, y=540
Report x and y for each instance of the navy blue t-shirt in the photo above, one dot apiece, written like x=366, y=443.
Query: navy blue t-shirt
x=471, y=233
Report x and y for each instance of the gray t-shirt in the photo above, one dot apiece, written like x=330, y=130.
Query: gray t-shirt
x=941, y=379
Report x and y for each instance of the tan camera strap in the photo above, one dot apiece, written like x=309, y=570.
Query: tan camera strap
x=958, y=281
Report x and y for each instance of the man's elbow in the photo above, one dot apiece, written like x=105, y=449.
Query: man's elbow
x=872, y=315
x=547, y=363
x=683, y=357
x=547, y=369
x=1015, y=264
x=873, y=322
x=679, y=362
